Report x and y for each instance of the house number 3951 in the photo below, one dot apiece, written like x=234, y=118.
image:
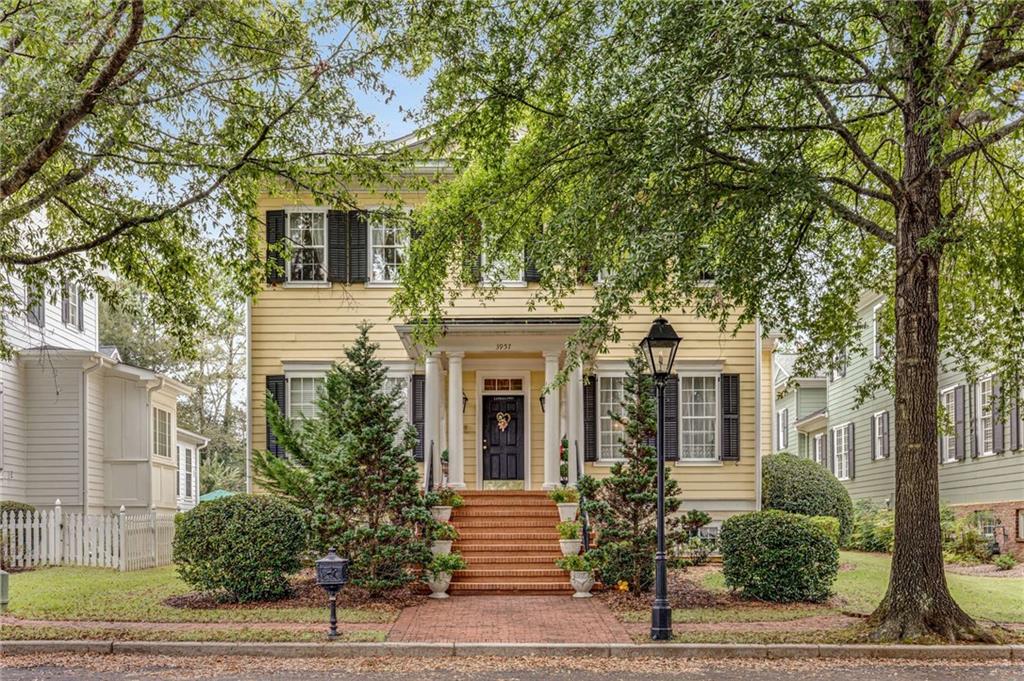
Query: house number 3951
x=503, y=346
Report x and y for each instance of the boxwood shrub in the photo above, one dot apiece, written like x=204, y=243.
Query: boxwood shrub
x=802, y=486
x=242, y=547
x=829, y=524
x=778, y=556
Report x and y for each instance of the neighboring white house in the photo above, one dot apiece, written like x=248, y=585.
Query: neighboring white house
x=77, y=423
x=187, y=487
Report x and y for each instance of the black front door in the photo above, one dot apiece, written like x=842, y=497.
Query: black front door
x=503, y=437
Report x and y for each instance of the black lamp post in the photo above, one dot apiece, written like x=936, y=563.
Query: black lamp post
x=660, y=347
x=332, y=574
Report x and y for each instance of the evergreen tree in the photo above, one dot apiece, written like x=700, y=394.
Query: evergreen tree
x=623, y=506
x=352, y=469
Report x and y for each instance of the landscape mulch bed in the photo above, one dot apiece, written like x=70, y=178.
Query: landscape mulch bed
x=307, y=594
x=985, y=570
x=684, y=591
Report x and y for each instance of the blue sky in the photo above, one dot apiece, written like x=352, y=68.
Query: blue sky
x=391, y=116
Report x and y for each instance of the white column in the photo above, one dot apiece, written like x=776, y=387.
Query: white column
x=456, y=477
x=574, y=401
x=432, y=413
x=552, y=437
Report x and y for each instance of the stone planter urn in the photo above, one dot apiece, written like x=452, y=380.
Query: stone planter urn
x=441, y=514
x=570, y=547
x=438, y=583
x=567, y=512
x=583, y=582
x=441, y=546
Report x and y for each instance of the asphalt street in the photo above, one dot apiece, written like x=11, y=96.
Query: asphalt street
x=111, y=667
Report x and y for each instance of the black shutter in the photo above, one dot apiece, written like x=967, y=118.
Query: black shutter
x=874, y=439
x=81, y=309
x=419, y=391
x=973, y=413
x=959, y=422
x=275, y=259
x=886, y=441
x=670, y=427
x=337, y=246
x=530, y=272
x=358, y=239
x=851, y=453
x=590, y=419
x=276, y=391
x=730, y=400
x=652, y=441
x=1016, y=425
x=998, y=424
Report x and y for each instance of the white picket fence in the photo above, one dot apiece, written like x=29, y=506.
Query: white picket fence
x=118, y=540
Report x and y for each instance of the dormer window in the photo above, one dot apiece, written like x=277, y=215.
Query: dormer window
x=307, y=234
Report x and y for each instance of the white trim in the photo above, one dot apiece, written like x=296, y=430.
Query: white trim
x=371, y=211
x=782, y=433
x=315, y=283
x=512, y=364
x=944, y=456
x=816, y=439
x=600, y=373
x=876, y=350
x=979, y=427
x=835, y=455
x=876, y=453
x=527, y=426
x=716, y=458
x=297, y=367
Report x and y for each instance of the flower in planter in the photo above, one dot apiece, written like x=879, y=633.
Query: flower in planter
x=569, y=529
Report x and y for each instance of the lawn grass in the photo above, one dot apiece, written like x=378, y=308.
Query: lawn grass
x=97, y=594
x=754, y=613
x=19, y=632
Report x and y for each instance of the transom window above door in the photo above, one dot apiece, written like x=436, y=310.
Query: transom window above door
x=307, y=234
x=503, y=384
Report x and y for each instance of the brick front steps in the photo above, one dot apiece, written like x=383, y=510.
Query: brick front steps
x=509, y=541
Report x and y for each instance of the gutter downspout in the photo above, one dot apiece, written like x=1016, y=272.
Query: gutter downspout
x=84, y=398
x=149, y=438
x=757, y=415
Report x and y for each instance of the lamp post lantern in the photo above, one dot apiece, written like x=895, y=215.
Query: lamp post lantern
x=660, y=347
x=332, y=574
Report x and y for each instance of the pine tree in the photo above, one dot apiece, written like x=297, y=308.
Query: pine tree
x=352, y=468
x=623, y=506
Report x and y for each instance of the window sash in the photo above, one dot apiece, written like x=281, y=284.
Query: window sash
x=986, y=416
x=698, y=417
x=161, y=432
x=881, y=435
x=388, y=245
x=841, y=453
x=188, y=472
x=819, y=449
x=303, y=393
x=610, y=392
x=307, y=234
x=947, y=442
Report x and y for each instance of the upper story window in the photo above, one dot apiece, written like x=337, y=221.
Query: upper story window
x=610, y=393
x=819, y=449
x=947, y=437
x=782, y=425
x=841, y=448
x=985, y=414
x=161, y=432
x=840, y=369
x=73, y=306
x=303, y=393
x=401, y=385
x=188, y=472
x=509, y=269
x=36, y=306
x=880, y=432
x=698, y=403
x=387, y=247
x=307, y=234
x=876, y=336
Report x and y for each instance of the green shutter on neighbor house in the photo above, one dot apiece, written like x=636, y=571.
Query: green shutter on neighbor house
x=851, y=452
x=277, y=392
x=358, y=247
x=337, y=246
x=886, y=440
x=730, y=416
x=1016, y=426
x=81, y=308
x=419, y=384
x=275, y=225
x=959, y=423
x=590, y=418
x=998, y=423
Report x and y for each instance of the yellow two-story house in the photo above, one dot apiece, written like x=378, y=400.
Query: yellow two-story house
x=480, y=393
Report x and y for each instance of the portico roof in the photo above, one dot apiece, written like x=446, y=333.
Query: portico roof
x=535, y=333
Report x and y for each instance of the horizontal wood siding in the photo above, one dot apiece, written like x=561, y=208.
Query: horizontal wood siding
x=53, y=428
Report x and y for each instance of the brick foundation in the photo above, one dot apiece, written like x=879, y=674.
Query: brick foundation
x=1009, y=535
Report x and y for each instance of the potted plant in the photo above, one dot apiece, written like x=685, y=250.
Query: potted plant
x=442, y=536
x=439, y=573
x=442, y=502
x=581, y=574
x=569, y=533
x=567, y=499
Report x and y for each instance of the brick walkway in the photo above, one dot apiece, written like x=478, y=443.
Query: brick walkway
x=509, y=619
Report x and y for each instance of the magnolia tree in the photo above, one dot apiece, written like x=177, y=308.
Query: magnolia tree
x=801, y=152
x=136, y=136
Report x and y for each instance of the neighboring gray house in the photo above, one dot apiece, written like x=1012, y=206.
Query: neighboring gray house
x=76, y=423
x=800, y=417
x=981, y=452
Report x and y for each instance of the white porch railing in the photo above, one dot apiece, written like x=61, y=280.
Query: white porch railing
x=118, y=540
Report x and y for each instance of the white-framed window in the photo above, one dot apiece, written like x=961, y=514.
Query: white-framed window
x=189, y=461
x=876, y=337
x=177, y=478
x=161, y=432
x=841, y=448
x=782, y=428
x=303, y=392
x=880, y=422
x=1020, y=524
x=947, y=432
x=987, y=523
x=986, y=405
x=507, y=270
x=35, y=305
x=402, y=382
x=818, y=444
x=73, y=307
x=610, y=392
x=388, y=244
x=503, y=385
x=698, y=417
x=840, y=369
x=307, y=235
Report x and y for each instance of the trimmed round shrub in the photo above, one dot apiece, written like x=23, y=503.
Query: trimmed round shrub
x=242, y=547
x=829, y=524
x=778, y=556
x=6, y=506
x=802, y=486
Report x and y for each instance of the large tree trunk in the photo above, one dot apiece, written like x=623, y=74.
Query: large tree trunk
x=917, y=602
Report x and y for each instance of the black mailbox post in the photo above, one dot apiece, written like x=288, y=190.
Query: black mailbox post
x=332, y=574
